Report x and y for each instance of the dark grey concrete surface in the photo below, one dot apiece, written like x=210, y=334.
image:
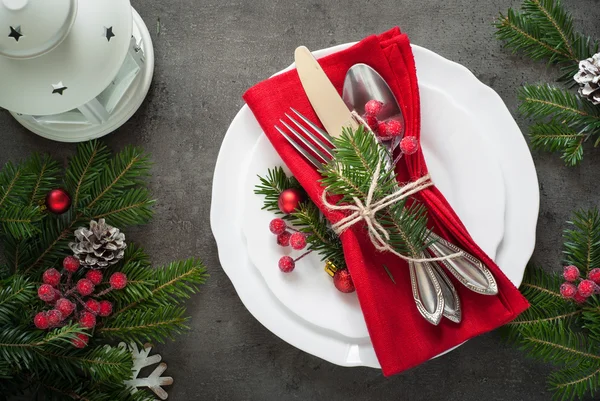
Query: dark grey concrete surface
x=207, y=54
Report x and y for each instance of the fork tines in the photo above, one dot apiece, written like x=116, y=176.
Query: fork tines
x=316, y=145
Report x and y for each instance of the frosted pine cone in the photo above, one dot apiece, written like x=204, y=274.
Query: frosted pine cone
x=99, y=246
x=588, y=78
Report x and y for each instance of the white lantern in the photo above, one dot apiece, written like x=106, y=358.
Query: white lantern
x=73, y=70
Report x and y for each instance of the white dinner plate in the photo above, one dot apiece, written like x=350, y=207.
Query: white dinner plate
x=496, y=126
x=451, y=145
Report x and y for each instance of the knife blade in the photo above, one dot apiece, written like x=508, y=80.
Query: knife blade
x=324, y=98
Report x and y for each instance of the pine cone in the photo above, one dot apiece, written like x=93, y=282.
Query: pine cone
x=99, y=246
x=588, y=78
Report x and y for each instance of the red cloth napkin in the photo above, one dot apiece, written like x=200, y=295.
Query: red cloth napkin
x=401, y=337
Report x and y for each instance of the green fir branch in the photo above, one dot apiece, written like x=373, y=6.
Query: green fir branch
x=272, y=185
x=83, y=170
x=15, y=292
x=582, y=240
x=46, y=171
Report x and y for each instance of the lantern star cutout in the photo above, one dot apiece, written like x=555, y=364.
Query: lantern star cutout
x=58, y=88
x=15, y=33
x=108, y=33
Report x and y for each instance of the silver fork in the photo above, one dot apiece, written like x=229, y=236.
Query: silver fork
x=433, y=292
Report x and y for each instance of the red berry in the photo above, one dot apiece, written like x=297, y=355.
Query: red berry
x=594, y=275
x=93, y=305
x=87, y=320
x=81, y=341
x=85, y=287
x=52, y=277
x=65, y=306
x=298, y=241
x=371, y=121
x=579, y=298
x=71, y=264
x=54, y=317
x=343, y=281
x=118, y=280
x=568, y=290
x=105, y=308
x=41, y=321
x=394, y=128
x=286, y=264
x=95, y=276
x=277, y=226
x=571, y=273
x=283, y=239
x=586, y=288
x=382, y=130
x=46, y=292
x=409, y=145
x=373, y=107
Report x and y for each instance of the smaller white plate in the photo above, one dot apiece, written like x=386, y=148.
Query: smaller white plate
x=451, y=145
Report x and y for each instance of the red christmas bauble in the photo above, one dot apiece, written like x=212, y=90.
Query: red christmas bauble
x=289, y=199
x=343, y=281
x=58, y=201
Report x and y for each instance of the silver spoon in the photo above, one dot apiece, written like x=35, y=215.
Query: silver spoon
x=434, y=293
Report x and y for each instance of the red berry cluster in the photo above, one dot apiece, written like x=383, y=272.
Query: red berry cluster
x=68, y=299
x=388, y=129
x=577, y=288
x=288, y=236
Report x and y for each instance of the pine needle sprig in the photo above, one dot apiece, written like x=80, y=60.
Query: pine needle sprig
x=15, y=292
x=582, y=240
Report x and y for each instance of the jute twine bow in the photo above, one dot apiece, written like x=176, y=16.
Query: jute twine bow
x=367, y=211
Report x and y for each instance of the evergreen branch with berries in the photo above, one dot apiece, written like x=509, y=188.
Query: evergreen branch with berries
x=57, y=314
x=562, y=326
x=563, y=121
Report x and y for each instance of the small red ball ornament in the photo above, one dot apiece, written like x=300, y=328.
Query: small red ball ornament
x=81, y=341
x=58, y=201
x=289, y=200
x=343, y=281
x=118, y=280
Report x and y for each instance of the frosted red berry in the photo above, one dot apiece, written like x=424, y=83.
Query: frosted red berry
x=373, y=107
x=85, y=287
x=594, y=275
x=371, y=121
x=382, y=130
x=80, y=341
x=286, y=264
x=71, y=264
x=41, y=321
x=105, y=308
x=54, y=317
x=394, y=128
x=586, y=288
x=87, y=320
x=95, y=276
x=52, y=277
x=343, y=281
x=579, y=298
x=46, y=292
x=277, y=226
x=93, y=306
x=409, y=145
x=118, y=280
x=65, y=306
x=283, y=239
x=571, y=273
x=298, y=241
x=568, y=290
